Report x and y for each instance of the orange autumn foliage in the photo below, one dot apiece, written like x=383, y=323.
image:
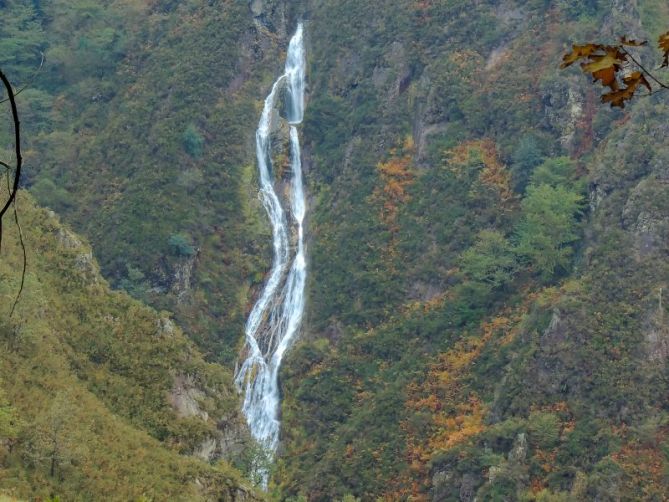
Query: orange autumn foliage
x=453, y=430
x=645, y=466
x=456, y=414
x=493, y=173
x=396, y=176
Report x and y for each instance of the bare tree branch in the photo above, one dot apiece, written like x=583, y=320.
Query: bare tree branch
x=13, y=186
x=17, y=144
x=30, y=80
x=23, y=248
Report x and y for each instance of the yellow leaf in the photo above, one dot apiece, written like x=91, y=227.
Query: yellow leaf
x=603, y=62
x=579, y=52
x=663, y=43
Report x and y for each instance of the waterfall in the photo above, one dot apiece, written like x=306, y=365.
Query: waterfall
x=276, y=316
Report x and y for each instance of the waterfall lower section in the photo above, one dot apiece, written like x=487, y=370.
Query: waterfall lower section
x=275, y=319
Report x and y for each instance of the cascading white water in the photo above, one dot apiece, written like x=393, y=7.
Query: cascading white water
x=275, y=319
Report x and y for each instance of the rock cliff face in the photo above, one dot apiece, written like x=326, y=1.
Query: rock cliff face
x=227, y=437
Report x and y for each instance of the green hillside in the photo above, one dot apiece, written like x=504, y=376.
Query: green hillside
x=100, y=396
x=488, y=249
x=491, y=323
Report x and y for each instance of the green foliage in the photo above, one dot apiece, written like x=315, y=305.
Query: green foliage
x=490, y=260
x=544, y=429
x=549, y=228
x=193, y=141
x=556, y=172
x=89, y=373
x=526, y=156
x=254, y=461
x=117, y=120
x=181, y=245
x=116, y=143
x=51, y=195
x=21, y=38
x=10, y=422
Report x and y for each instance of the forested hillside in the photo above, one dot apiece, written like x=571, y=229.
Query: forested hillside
x=100, y=396
x=139, y=131
x=487, y=243
x=490, y=324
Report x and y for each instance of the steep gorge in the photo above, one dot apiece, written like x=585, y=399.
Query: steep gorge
x=275, y=320
x=440, y=357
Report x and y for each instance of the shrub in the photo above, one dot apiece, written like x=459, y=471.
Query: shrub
x=548, y=228
x=544, y=430
x=181, y=245
x=193, y=141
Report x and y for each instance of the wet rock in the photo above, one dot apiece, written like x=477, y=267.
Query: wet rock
x=596, y=195
x=165, y=327
x=554, y=345
x=228, y=436
x=467, y=486
x=493, y=473
x=646, y=216
x=270, y=16
x=207, y=449
x=257, y=7
x=442, y=481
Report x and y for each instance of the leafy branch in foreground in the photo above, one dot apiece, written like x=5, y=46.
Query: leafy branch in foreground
x=618, y=69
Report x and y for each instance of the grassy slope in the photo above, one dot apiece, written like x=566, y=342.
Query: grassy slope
x=87, y=372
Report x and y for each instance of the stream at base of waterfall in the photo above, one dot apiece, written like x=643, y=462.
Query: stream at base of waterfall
x=275, y=319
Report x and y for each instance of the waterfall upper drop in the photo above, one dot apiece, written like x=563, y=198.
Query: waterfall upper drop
x=275, y=318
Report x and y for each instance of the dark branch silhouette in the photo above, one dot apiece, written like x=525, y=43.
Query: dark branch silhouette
x=30, y=80
x=13, y=185
x=23, y=249
x=17, y=145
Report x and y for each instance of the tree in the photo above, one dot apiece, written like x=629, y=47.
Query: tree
x=619, y=69
x=558, y=171
x=193, y=142
x=181, y=245
x=21, y=38
x=10, y=423
x=548, y=226
x=51, y=443
x=490, y=260
x=525, y=158
x=544, y=429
